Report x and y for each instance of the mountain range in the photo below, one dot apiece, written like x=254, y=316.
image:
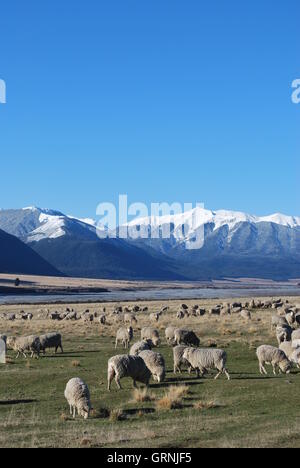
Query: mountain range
x=235, y=245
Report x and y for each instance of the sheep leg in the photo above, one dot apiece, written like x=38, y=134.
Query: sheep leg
x=274, y=369
x=225, y=371
x=262, y=369
x=117, y=380
x=71, y=410
x=74, y=412
x=110, y=377
x=62, y=350
x=218, y=374
x=116, y=344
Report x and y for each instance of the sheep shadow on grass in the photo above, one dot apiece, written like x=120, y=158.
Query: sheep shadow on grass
x=17, y=402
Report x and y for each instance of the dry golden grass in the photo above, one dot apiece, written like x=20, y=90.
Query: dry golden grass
x=173, y=398
x=141, y=395
x=75, y=363
x=204, y=405
x=117, y=415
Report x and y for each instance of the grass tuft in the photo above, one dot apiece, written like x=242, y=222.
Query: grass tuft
x=142, y=395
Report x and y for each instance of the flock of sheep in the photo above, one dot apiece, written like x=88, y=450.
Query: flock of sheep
x=142, y=362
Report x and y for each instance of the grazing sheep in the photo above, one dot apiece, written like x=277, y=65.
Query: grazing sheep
x=295, y=357
x=140, y=346
x=51, y=340
x=125, y=335
x=287, y=348
x=54, y=316
x=246, y=314
x=237, y=305
x=88, y=318
x=154, y=317
x=71, y=316
x=203, y=360
x=26, y=343
x=102, y=319
x=283, y=333
x=149, y=333
x=169, y=333
x=225, y=311
x=78, y=396
x=156, y=364
x=179, y=360
x=215, y=311
x=296, y=335
x=127, y=366
x=130, y=318
x=277, y=320
x=290, y=318
x=180, y=315
x=276, y=357
x=10, y=317
x=236, y=310
x=186, y=337
x=184, y=307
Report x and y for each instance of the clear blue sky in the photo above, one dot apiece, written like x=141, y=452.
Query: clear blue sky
x=165, y=100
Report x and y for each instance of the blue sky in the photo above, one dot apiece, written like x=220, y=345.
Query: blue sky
x=164, y=100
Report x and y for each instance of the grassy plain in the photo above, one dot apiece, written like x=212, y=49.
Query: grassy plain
x=249, y=411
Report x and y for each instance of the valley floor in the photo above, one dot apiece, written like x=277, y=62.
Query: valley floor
x=249, y=411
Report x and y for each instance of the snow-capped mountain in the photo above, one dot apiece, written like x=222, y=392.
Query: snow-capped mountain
x=200, y=222
x=234, y=244
x=34, y=224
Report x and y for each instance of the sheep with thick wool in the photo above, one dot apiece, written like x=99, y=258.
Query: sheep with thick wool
x=149, y=333
x=25, y=344
x=205, y=359
x=122, y=366
x=179, y=360
x=51, y=340
x=125, y=336
x=186, y=337
x=155, y=363
x=276, y=357
x=137, y=348
x=169, y=334
x=78, y=396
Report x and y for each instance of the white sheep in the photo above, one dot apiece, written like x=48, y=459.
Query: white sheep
x=78, y=396
x=179, y=361
x=295, y=357
x=205, y=359
x=169, y=333
x=137, y=348
x=125, y=336
x=127, y=366
x=155, y=363
x=287, y=348
x=25, y=343
x=276, y=357
x=130, y=318
x=154, y=317
x=246, y=314
x=283, y=333
x=186, y=337
x=149, y=333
